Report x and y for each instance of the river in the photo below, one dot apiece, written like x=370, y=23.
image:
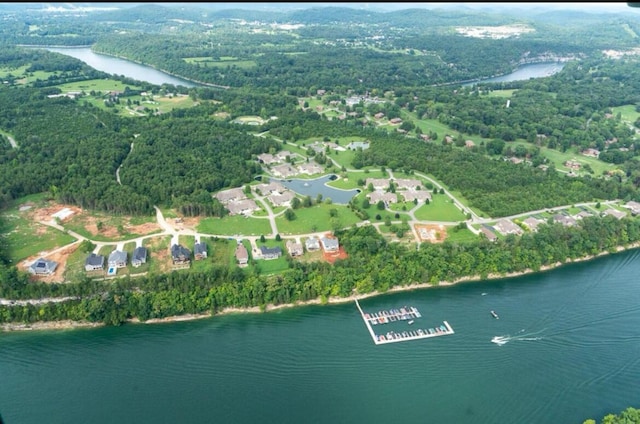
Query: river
x=571, y=353
x=115, y=66
x=525, y=72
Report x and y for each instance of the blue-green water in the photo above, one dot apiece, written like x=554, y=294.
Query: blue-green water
x=573, y=353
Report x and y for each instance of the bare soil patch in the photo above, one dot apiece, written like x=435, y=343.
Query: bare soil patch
x=431, y=233
x=46, y=213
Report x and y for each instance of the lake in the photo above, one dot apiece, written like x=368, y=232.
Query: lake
x=115, y=66
x=571, y=353
x=525, y=72
x=319, y=186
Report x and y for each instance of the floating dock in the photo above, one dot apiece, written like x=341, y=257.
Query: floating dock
x=384, y=317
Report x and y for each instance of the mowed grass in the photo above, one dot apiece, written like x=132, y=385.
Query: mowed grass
x=317, y=218
x=441, y=208
x=101, y=85
x=233, y=225
x=208, y=61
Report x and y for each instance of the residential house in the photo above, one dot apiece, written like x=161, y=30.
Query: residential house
x=419, y=195
x=567, y=221
x=591, y=152
x=407, y=184
x=615, y=213
x=242, y=207
x=180, y=255
x=310, y=168
x=395, y=121
x=200, y=250
x=270, y=188
x=386, y=197
x=270, y=252
x=377, y=183
x=330, y=244
x=284, y=170
x=469, y=143
x=505, y=226
x=294, y=248
x=312, y=243
x=43, y=267
x=268, y=158
x=242, y=256
x=490, y=235
x=283, y=199
x=231, y=195
x=139, y=256
x=634, y=207
x=532, y=223
x=379, y=115
x=94, y=262
x=117, y=259
x=582, y=214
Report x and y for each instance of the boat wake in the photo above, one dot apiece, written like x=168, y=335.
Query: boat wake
x=501, y=340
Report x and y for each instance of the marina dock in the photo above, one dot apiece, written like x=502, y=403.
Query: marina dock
x=401, y=314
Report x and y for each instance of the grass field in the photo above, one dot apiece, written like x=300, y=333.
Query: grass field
x=441, y=208
x=317, y=218
x=23, y=237
x=232, y=225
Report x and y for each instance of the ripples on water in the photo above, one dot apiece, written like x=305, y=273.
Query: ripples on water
x=569, y=333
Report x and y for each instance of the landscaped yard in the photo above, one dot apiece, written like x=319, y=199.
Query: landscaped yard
x=317, y=218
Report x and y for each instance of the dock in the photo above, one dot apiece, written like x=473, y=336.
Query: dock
x=384, y=317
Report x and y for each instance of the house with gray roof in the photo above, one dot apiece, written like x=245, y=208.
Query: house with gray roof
x=180, y=255
x=94, y=262
x=634, y=207
x=139, y=256
x=330, y=244
x=312, y=243
x=270, y=252
x=200, y=250
x=117, y=259
x=567, y=221
x=505, y=227
x=43, y=267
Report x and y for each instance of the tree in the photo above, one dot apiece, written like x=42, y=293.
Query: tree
x=262, y=239
x=289, y=215
x=278, y=238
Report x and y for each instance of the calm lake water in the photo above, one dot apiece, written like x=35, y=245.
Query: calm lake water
x=319, y=186
x=116, y=66
x=572, y=353
x=525, y=72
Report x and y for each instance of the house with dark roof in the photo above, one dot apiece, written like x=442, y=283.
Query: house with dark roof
x=94, y=262
x=270, y=252
x=117, y=259
x=242, y=256
x=490, y=235
x=43, y=267
x=139, y=256
x=200, y=250
x=180, y=255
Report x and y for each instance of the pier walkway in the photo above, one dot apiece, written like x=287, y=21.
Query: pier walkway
x=401, y=336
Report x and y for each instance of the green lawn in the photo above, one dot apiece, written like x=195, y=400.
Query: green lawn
x=232, y=225
x=25, y=238
x=102, y=85
x=441, y=208
x=627, y=113
x=456, y=235
x=316, y=218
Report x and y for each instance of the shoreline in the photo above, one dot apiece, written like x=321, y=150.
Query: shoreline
x=68, y=324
